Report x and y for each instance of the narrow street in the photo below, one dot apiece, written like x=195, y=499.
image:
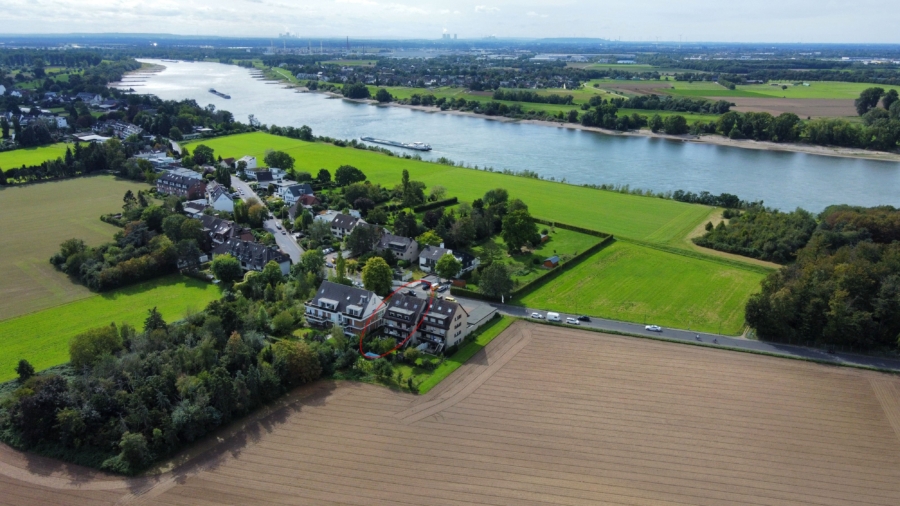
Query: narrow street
x=285, y=241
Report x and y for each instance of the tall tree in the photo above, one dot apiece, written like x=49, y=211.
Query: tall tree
x=448, y=266
x=868, y=99
x=519, y=229
x=377, y=276
x=495, y=281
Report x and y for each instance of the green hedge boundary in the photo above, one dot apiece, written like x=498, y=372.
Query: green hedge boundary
x=538, y=282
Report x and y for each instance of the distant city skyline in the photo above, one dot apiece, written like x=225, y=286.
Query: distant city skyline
x=829, y=21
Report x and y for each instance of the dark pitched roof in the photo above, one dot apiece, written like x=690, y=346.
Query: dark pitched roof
x=254, y=255
x=178, y=179
x=407, y=305
x=264, y=176
x=217, y=191
x=395, y=242
x=433, y=253
x=442, y=311
x=299, y=190
x=217, y=225
x=345, y=221
x=343, y=296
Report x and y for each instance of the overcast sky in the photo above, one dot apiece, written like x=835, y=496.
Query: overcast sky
x=667, y=20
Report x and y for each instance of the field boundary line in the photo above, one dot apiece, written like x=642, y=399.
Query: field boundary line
x=886, y=392
x=893, y=372
x=699, y=256
x=461, y=390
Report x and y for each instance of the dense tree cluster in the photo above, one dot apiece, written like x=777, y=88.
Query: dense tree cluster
x=678, y=104
x=138, y=396
x=530, y=96
x=153, y=243
x=844, y=288
x=761, y=233
x=80, y=159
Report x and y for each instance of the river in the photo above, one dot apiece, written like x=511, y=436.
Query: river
x=781, y=179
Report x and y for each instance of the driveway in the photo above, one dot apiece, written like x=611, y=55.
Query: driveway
x=285, y=241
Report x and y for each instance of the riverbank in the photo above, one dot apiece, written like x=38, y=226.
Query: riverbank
x=704, y=139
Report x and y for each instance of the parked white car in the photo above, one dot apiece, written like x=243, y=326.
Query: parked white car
x=653, y=328
x=572, y=321
x=537, y=316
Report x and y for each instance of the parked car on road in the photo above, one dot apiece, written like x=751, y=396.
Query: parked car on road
x=653, y=328
x=443, y=288
x=553, y=317
x=410, y=292
x=571, y=321
x=537, y=316
x=329, y=265
x=584, y=318
x=450, y=299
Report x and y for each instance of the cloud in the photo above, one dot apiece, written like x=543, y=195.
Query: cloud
x=486, y=8
x=532, y=14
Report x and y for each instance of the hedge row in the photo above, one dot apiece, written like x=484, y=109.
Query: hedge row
x=434, y=205
x=540, y=281
x=573, y=228
x=554, y=273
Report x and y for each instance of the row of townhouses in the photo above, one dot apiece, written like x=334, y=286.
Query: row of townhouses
x=432, y=324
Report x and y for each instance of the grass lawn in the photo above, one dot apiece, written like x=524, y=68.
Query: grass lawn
x=644, y=218
x=430, y=379
x=564, y=243
x=36, y=219
x=43, y=337
x=629, y=282
x=816, y=89
x=31, y=156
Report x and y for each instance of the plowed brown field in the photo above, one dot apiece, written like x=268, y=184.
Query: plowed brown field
x=542, y=416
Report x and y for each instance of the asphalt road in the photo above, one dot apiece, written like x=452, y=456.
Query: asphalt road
x=285, y=242
x=714, y=340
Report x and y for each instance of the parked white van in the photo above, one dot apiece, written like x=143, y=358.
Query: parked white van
x=553, y=317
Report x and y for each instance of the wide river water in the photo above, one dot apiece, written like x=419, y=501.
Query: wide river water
x=781, y=179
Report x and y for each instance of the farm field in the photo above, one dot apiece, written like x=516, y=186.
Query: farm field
x=644, y=218
x=37, y=219
x=31, y=156
x=43, y=337
x=629, y=421
x=626, y=281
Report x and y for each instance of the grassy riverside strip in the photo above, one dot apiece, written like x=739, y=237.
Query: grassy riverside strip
x=649, y=219
x=43, y=337
x=713, y=346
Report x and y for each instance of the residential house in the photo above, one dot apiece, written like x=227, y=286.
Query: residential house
x=194, y=208
x=326, y=216
x=219, y=198
x=402, y=317
x=429, y=257
x=251, y=163
x=253, y=256
x=445, y=325
x=263, y=177
x=343, y=224
x=227, y=162
x=220, y=231
x=355, y=309
x=181, y=185
x=403, y=248
x=89, y=98
x=292, y=193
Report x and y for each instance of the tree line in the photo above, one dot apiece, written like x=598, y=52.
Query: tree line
x=760, y=233
x=843, y=289
x=530, y=96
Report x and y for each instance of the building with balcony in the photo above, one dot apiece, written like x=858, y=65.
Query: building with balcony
x=402, y=316
x=444, y=325
x=355, y=309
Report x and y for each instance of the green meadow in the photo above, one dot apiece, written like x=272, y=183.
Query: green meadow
x=626, y=281
x=43, y=337
x=31, y=156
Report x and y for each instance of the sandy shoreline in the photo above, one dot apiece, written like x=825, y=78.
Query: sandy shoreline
x=717, y=140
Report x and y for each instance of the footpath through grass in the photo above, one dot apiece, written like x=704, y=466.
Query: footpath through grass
x=43, y=337
x=644, y=218
x=634, y=283
x=31, y=156
x=430, y=379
